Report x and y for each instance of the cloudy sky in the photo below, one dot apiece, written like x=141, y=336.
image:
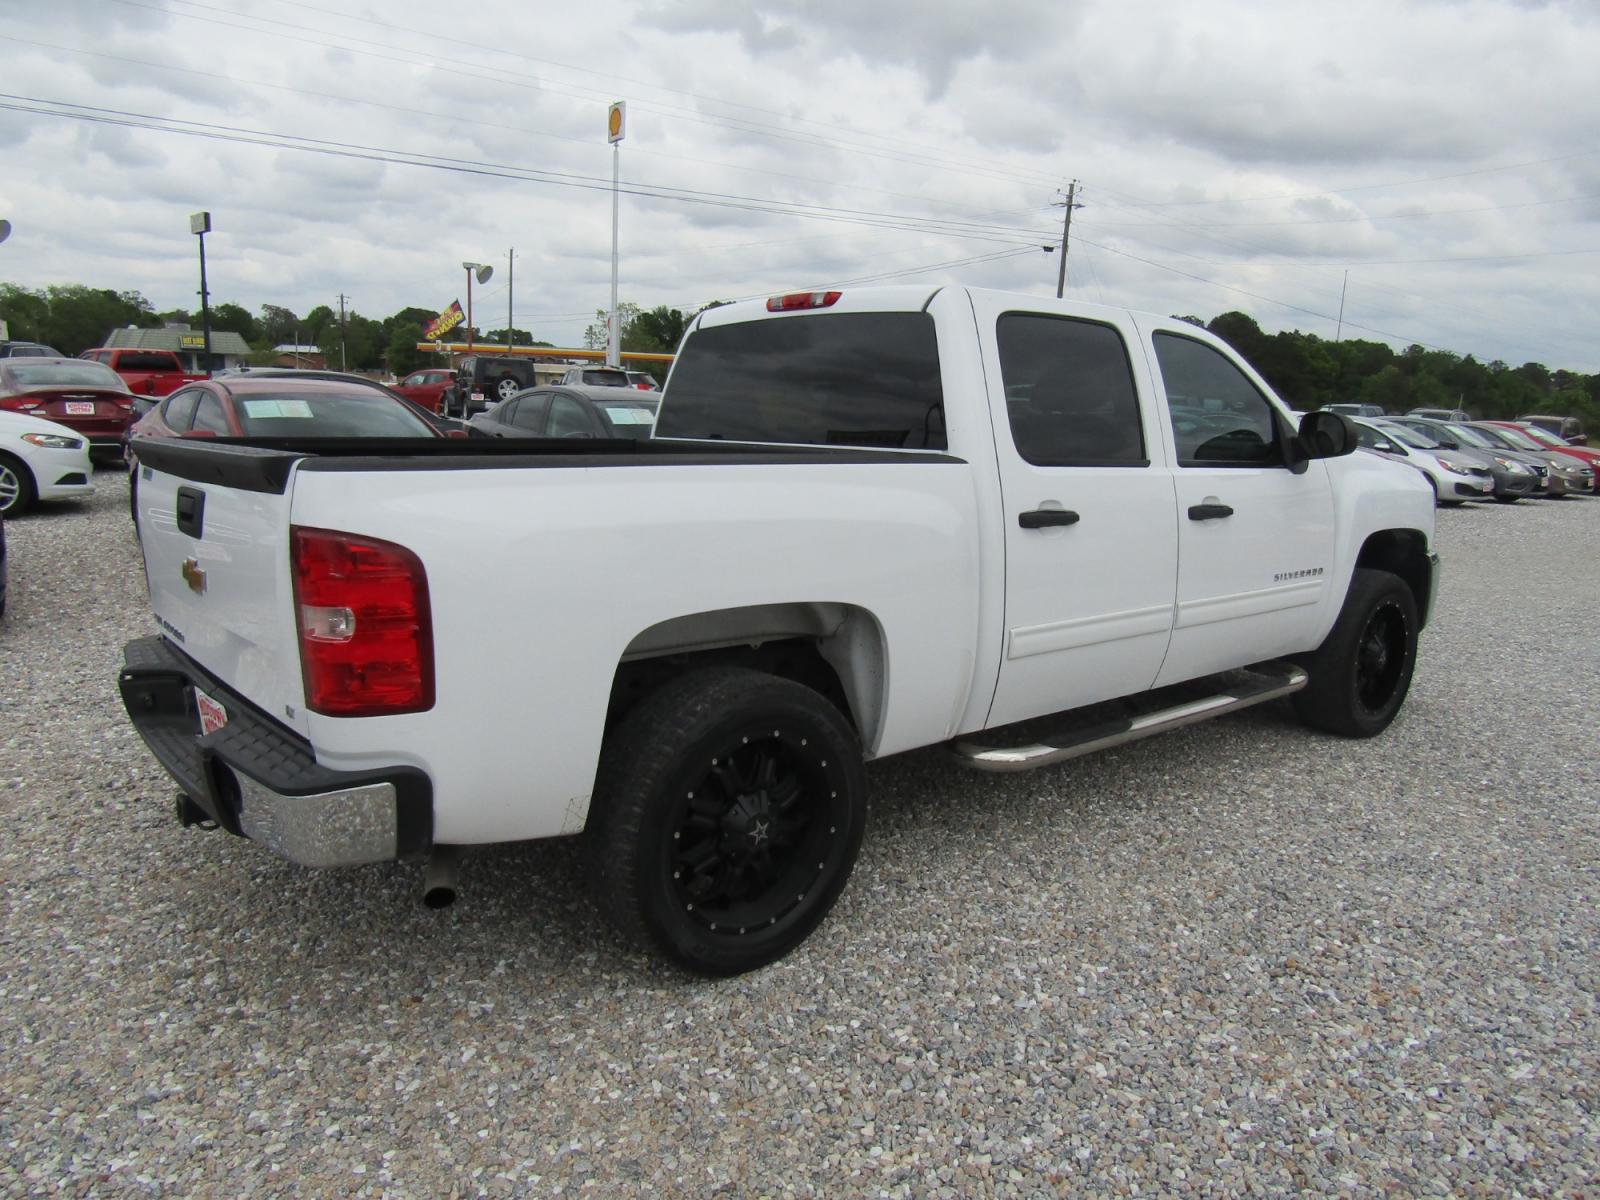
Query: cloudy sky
x=1438, y=161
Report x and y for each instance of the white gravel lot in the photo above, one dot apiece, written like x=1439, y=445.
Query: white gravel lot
x=1242, y=959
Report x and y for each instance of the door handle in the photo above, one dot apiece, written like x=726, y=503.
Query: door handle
x=1042, y=518
x=1208, y=512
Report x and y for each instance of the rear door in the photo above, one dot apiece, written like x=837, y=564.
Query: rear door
x=217, y=564
x=1090, y=527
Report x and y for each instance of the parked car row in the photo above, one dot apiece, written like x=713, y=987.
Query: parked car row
x=571, y=410
x=1480, y=460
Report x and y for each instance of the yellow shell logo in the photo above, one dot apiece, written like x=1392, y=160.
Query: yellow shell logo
x=614, y=122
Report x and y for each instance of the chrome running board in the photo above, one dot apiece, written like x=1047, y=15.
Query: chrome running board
x=1257, y=685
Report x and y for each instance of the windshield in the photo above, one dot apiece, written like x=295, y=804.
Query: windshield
x=1410, y=437
x=327, y=414
x=1544, y=437
x=26, y=375
x=628, y=418
x=1471, y=437
x=1517, y=438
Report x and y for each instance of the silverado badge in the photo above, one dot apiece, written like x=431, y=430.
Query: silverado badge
x=194, y=576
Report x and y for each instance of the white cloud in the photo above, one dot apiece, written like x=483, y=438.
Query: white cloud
x=1232, y=155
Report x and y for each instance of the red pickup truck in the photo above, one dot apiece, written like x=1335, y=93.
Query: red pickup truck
x=146, y=372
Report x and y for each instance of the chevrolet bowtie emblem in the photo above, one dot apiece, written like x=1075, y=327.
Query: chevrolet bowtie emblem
x=194, y=576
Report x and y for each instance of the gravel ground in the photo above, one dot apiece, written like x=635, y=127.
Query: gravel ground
x=1241, y=959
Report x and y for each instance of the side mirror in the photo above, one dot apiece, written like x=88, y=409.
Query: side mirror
x=1327, y=435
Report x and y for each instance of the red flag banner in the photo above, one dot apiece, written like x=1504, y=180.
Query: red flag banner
x=444, y=322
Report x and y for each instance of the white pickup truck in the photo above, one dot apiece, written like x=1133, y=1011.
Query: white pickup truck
x=869, y=521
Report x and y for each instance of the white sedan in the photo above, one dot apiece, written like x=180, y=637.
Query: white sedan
x=40, y=460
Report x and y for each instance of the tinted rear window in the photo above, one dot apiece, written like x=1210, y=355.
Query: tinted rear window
x=327, y=414
x=148, y=362
x=835, y=379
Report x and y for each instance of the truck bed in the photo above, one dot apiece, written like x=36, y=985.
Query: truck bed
x=264, y=464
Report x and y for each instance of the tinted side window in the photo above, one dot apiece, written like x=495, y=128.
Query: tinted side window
x=1218, y=417
x=531, y=412
x=209, y=415
x=841, y=379
x=1069, y=392
x=179, y=412
x=568, y=418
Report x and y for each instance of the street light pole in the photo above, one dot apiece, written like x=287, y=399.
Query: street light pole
x=200, y=225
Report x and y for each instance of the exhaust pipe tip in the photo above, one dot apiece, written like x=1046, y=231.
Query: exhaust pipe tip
x=441, y=877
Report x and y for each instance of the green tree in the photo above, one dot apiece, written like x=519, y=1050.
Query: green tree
x=278, y=325
x=519, y=337
x=660, y=329
x=401, y=353
x=1242, y=333
x=315, y=323
x=234, y=319
x=81, y=317
x=26, y=312
x=594, y=337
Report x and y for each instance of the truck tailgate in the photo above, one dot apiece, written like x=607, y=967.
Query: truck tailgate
x=216, y=559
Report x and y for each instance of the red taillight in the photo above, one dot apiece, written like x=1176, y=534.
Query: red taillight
x=365, y=629
x=796, y=300
x=21, y=404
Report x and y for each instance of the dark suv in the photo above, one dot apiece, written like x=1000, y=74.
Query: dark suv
x=496, y=378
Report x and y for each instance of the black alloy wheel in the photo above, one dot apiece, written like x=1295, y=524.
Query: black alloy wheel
x=727, y=814
x=1381, y=656
x=1362, y=671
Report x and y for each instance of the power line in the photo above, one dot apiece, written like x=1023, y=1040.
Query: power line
x=968, y=230
x=454, y=119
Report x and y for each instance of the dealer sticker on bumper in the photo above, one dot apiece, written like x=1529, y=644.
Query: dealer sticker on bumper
x=212, y=715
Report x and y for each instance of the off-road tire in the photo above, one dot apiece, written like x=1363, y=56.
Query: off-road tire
x=1362, y=671
x=727, y=814
x=506, y=387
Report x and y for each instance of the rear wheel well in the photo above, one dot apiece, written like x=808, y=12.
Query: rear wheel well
x=1401, y=552
x=796, y=659
x=836, y=650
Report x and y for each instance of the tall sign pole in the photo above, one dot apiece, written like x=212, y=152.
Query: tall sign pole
x=200, y=225
x=616, y=128
x=511, y=283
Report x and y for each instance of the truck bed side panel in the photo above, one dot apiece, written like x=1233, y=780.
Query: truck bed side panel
x=541, y=578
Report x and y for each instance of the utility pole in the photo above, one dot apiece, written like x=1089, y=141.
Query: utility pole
x=342, y=299
x=511, y=284
x=1339, y=329
x=1066, y=232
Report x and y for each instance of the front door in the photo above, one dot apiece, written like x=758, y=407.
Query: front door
x=1090, y=530
x=1255, y=537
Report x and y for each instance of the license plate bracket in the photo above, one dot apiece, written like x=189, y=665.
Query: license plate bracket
x=212, y=715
